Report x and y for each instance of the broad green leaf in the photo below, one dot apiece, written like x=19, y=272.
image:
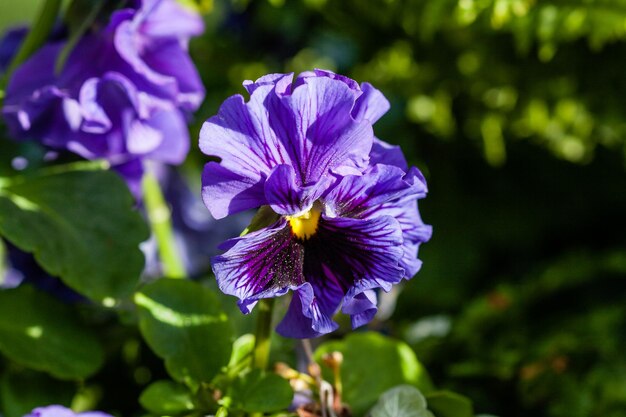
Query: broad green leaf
x=449, y=404
x=183, y=323
x=42, y=333
x=373, y=364
x=81, y=226
x=261, y=392
x=22, y=392
x=401, y=401
x=166, y=398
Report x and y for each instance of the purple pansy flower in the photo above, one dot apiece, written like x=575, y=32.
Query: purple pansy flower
x=346, y=220
x=123, y=94
x=60, y=411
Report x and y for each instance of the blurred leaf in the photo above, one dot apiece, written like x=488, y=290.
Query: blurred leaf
x=257, y=391
x=22, y=392
x=183, y=323
x=17, y=12
x=80, y=225
x=41, y=333
x=401, y=401
x=449, y=404
x=242, y=349
x=372, y=364
x=166, y=398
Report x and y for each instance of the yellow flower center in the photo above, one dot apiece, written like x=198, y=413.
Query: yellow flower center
x=305, y=225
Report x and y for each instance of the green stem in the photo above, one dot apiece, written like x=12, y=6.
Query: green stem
x=159, y=216
x=263, y=333
x=37, y=36
x=262, y=338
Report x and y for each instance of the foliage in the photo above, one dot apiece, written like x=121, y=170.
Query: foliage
x=514, y=111
x=96, y=236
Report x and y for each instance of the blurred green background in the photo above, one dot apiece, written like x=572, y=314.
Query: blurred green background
x=515, y=111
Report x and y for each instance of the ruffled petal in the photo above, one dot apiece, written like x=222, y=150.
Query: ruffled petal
x=311, y=130
x=385, y=190
x=241, y=136
x=225, y=192
x=168, y=19
x=128, y=44
x=414, y=231
x=174, y=145
x=262, y=264
x=355, y=195
x=318, y=130
x=305, y=317
x=371, y=105
x=387, y=154
x=168, y=58
x=281, y=82
x=286, y=197
x=361, y=307
x=343, y=259
x=346, y=250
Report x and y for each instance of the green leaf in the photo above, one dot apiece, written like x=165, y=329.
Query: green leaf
x=449, y=404
x=401, y=401
x=81, y=226
x=22, y=392
x=260, y=392
x=183, y=323
x=242, y=349
x=166, y=398
x=42, y=333
x=373, y=364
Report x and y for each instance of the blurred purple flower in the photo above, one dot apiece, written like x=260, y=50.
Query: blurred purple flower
x=345, y=212
x=123, y=94
x=60, y=411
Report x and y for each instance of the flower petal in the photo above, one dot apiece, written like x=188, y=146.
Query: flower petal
x=282, y=82
x=286, y=197
x=385, y=190
x=174, y=146
x=414, y=231
x=321, y=133
x=168, y=58
x=361, y=307
x=343, y=259
x=305, y=318
x=346, y=250
x=241, y=136
x=387, y=154
x=225, y=192
x=169, y=19
x=311, y=130
x=261, y=264
x=371, y=105
x=355, y=195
